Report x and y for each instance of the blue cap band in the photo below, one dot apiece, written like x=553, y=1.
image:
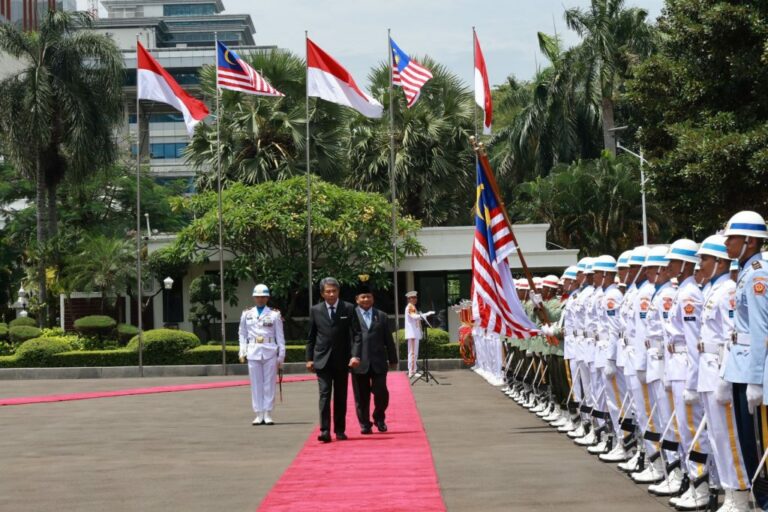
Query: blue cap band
x=714, y=247
x=683, y=252
x=660, y=259
x=743, y=225
x=639, y=259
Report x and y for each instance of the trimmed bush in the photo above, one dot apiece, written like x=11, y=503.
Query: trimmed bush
x=436, y=336
x=3, y=332
x=23, y=321
x=8, y=362
x=208, y=354
x=436, y=351
x=21, y=333
x=296, y=342
x=98, y=326
x=164, y=346
x=126, y=332
x=38, y=351
x=73, y=359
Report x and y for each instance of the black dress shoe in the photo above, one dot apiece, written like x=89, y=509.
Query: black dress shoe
x=366, y=430
x=325, y=437
x=341, y=436
x=381, y=426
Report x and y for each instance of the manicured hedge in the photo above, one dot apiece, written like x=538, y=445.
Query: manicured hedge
x=208, y=354
x=436, y=336
x=8, y=362
x=38, y=351
x=164, y=346
x=95, y=325
x=23, y=321
x=436, y=351
x=120, y=357
x=3, y=332
x=125, y=333
x=21, y=333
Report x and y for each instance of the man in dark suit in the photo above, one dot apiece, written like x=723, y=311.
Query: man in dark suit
x=333, y=347
x=378, y=354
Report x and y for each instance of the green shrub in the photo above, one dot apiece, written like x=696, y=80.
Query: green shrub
x=296, y=342
x=47, y=332
x=23, y=321
x=436, y=351
x=126, y=332
x=3, y=332
x=96, y=326
x=38, y=351
x=436, y=336
x=89, y=358
x=164, y=346
x=229, y=343
x=21, y=333
x=8, y=362
x=208, y=354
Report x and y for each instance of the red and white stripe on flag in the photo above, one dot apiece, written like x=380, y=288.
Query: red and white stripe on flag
x=411, y=79
x=483, y=88
x=252, y=83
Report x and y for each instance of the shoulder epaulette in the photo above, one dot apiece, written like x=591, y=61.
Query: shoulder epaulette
x=757, y=265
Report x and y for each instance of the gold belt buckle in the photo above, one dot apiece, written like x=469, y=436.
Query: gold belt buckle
x=259, y=339
x=700, y=346
x=671, y=348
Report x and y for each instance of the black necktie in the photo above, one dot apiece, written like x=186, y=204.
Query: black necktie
x=333, y=312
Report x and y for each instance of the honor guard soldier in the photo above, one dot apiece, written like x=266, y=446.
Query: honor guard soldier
x=412, y=330
x=262, y=343
x=745, y=367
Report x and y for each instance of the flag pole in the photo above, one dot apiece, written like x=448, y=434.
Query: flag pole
x=222, y=320
x=138, y=216
x=392, y=185
x=309, y=185
x=474, y=70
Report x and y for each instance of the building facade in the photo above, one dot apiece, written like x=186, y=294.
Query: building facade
x=29, y=13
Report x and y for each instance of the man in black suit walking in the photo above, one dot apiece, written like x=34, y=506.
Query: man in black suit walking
x=378, y=353
x=333, y=347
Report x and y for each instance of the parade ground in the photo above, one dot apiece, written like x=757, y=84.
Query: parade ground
x=196, y=450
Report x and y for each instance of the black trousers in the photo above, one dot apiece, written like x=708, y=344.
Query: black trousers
x=333, y=381
x=751, y=442
x=363, y=385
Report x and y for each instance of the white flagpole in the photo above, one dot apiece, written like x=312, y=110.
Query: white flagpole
x=138, y=217
x=309, y=187
x=220, y=212
x=392, y=184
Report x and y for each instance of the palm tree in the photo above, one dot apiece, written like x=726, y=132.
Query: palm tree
x=614, y=38
x=58, y=113
x=263, y=138
x=434, y=163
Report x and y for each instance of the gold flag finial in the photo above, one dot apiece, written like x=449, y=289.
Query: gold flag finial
x=364, y=278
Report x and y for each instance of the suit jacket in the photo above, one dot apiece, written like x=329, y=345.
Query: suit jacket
x=378, y=345
x=336, y=340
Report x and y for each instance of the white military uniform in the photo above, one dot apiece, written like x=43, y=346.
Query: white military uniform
x=716, y=331
x=263, y=344
x=636, y=354
x=608, y=345
x=413, y=335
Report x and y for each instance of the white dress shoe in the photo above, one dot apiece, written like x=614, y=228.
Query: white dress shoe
x=587, y=440
x=618, y=454
x=632, y=464
x=259, y=419
x=578, y=432
x=695, y=498
x=569, y=426
x=601, y=447
x=670, y=485
x=735, y=501
x=653, y=473
x=268, y=419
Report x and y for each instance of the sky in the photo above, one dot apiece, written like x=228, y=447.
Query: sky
x=355, y=31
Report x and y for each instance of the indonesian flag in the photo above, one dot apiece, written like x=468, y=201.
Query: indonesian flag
x=482, y=88
x=155, y=83
x=328, y=80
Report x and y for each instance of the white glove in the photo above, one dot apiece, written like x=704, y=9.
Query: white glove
x=754, y=396
x=610, y=369
x=724, y=392
x=547, y=330
x=690, y=397
x=536, y=299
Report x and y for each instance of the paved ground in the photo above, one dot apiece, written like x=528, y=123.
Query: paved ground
x=196, y=451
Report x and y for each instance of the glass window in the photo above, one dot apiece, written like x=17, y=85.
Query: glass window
x=189, y=10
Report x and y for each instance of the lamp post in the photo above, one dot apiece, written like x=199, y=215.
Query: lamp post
x=21, y=303
x=642, y=176
x=168, y=285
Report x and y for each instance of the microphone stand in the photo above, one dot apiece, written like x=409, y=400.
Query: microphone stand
x=425, y=374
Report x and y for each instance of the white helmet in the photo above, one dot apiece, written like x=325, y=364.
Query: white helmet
x=624, y=259
x=261, y=290
x=581, y=266
x=657, y=257
x=714, y=246
x=589, y=269
x=747, y=223
x=684, y=250
x=537, y=282
x=604, y=263
x=522, y=284
x=639, y=254
x=550, y=281
x=570, y=272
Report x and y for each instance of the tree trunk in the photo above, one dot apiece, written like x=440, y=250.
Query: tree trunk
x=609, y=139
x=53, y=212
x=42, y=238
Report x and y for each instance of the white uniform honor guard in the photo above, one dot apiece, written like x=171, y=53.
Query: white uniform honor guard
x=262, y=343
x=412, y=331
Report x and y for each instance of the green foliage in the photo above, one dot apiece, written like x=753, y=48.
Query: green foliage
x=3, y=331
x=95, y=325
x=165, y=262
x=351, y=235
x=164, y=346
x=436, y=351
x=203, y=294
x=22, y=333
x=126, y=332
x=436, y=336
x=38, y=351
x=8, y=361
x=23, y=321
x=208, y=354
x=91, y=358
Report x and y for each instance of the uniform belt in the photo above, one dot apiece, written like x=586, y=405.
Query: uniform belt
x=740, y=338
x=580, y=332
x=677, y=348
x=652, y=344
x=708, y=348
x=261, y=339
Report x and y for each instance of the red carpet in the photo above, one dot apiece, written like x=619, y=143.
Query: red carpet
x=391, y=471
x=41, y=399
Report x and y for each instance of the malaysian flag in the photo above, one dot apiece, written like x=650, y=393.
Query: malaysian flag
x=408, y=74
x=235, y=74
x=495, y=306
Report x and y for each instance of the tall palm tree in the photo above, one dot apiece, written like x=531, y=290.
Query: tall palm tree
x=58, y=113
x=613, y=39
x=433, y=163
x=263, y=138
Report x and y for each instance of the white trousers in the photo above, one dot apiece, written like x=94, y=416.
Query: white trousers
x=664, y=407
x=688, y=419
x=576, y=380
x=615, y=390
x=641, y=397
x=724, y=443
x=413, y=355
x=263, y=374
